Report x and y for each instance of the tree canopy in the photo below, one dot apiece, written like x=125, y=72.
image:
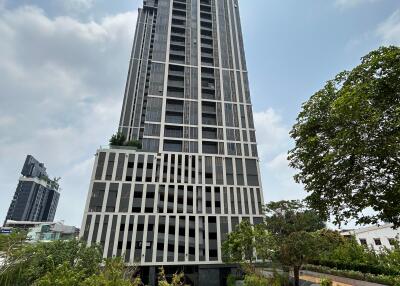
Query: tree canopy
x=347, y=142
x=285, y=217
x=62, y=263
x=246, y=242
x=296, y=229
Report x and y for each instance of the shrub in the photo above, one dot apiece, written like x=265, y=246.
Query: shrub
x=119, y=139
x=255, y=280
x=326, y=282
x=134, y=143
x=230, y=280
x=381, y=279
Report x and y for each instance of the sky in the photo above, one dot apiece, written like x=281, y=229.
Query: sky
x=63, y=66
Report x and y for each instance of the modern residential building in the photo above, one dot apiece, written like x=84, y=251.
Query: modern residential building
x=173, y=202
x=36, y=197
x=41, y=231
x=45, y=232
x=375, y=237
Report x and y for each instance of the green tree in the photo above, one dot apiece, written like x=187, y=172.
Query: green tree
x=347, y=142
x=297, y=249
x=117, y=139
x=294, y=226
x=247, y=240
x=285, y=217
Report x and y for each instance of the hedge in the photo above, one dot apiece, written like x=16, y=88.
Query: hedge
x=381, y=279
x=375, y=269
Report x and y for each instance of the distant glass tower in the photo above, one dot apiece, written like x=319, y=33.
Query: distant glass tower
x=187, y=100
x=36, y=197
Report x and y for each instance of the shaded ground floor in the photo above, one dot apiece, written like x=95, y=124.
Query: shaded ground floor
x=195, y=275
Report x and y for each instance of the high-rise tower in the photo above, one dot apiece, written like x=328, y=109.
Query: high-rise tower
x=36, y=197
x=187, y=100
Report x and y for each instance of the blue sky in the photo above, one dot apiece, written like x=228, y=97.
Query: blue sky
x=63, y=66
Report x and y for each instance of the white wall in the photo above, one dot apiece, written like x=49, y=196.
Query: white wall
x=383, y=233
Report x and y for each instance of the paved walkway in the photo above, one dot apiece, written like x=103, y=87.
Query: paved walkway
x=315, y=277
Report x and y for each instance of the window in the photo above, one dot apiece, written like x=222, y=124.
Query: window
x=173, y=131
x=210, y=147
x=377, y=241
x=209, y=133
x=392, y=241
x=173, y=146
x=363, y=241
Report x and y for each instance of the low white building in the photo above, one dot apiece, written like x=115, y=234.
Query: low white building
x=375, y=237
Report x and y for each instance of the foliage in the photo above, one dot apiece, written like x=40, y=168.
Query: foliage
x=382, y=279
x=134, y=143
x=119, y=139
x=293, y=224
x=177, y=279
x=113, y=274
x=11, y=242
x=28, y=263
x=350, y=256
x=255, y=280
x=241, y=244
x=62, y=275
x=297, y=249
x=230, y=280
x=347, y=142
x=63, y=263
x=350, y=251
x=326, y=282
x=285, y=217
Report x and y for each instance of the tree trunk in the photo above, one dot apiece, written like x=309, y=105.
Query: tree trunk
x=296, y=273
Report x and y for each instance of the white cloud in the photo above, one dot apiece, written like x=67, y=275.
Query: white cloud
x=271, y=133
x=273, y=144
x=61, y=91
x=389, y=30
x=76, y=5
x=352, y=3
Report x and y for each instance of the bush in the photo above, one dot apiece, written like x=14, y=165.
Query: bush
x=326, y=282
x=376, y=269
x=230, y=280
x=381, y=279
x=255, y=280
x=119, y=139
x=134, y=143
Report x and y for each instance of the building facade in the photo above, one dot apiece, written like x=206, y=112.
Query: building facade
x=187, y=100
x=36, y=197
x=376, y=237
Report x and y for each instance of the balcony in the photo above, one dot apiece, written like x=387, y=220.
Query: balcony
x=209, y=119
x=174, y=91
x=174, y=106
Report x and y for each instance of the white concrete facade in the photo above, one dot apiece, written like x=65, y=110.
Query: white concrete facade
x=197, y=176
x=375, y=237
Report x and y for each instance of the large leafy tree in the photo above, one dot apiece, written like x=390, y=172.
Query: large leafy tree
x=297, y=249
x=348, y=142
x=295, y=227
x=285, y=217
x=246, y=242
